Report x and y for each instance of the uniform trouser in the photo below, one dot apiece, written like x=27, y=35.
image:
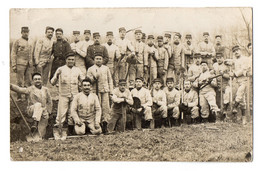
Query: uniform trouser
x=177, y=74
x=193, y=111
x=44, y=69
x=82, y=68
x=105, y=107
x=174, y=112
x=23, y=77
x=147, y=116
x=152, y=74
x=64, y=110
x=162, y=111
x=241, y=94
x=226, y=95
x=118, y=118
x=170, y=71
x=208, y=99
x=188, y=60
x=161, y=75
x=120, y=72
x=135, y=70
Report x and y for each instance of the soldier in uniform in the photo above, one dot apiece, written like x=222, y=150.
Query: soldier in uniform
x=121, y=99
x=195, y=69
x=144, y=38
x=96, y=48
x=137, y=70
x=173, y=101
x=78, y=47
x=219, y=48
x=207, y=50
x=85, y=108
x=188, y=50
x=102, y=85
x=167, y=44
x=159, y=108
x=146, y=102
x=113, y=54
x=42, y=54
x=250, y=74
x=163, y=60
x=21, y=58
x=150, y=60
x=59, y=50
x=88, y=41
x=207, y=93
x=69, y=77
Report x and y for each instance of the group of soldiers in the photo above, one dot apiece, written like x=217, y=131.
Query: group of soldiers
x=147, y=83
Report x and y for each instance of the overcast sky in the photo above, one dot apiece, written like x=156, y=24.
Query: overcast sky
x=152, y=20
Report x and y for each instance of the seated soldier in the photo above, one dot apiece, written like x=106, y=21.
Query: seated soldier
x=159, y=108
x=121, y=98
x=173, y=101
x=146, y=102
x=85, y=109
x=189, y=106
x=39, y=102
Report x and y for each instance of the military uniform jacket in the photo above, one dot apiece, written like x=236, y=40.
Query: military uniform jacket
x=191, y=98
x=21, y=52
x=225, y=70
x=96, y=49
x=163, y=58
x=124, y=45
x=193, y=72
x=113, y=54
x=118, y=95
x=139, y=51
x=60, y=49
x=188, y=49
x=200, y=81
x=173, y=97
x=159, y=96
x=80, y=52
x=221, y=49
x=43, y=50
x=177, y=55
x=105, y=82
x=148, y=59
x=241, y=67
x=168, y=48
x=204, y=47
x=144, y=95
x=86, y=107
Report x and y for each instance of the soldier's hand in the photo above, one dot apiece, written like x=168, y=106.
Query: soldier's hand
x=146, y=69
x=14, y=69
x=139, y=110
x=79, y=123
x=97, y=126
x=221, y=72
x=132, y=55
x=185, y=103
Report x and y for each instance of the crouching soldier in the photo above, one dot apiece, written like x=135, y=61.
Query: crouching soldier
x=173, y=101
x=86, y=110
x=189, y=106
x=207, y=94
x=39, y=103
x=146, y=102
x=159, y=108
x=103, y=86
x=121, y=98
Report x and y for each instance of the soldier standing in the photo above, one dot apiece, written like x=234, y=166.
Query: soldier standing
x=219, y=48
x=144, y=38
x=195, y=69
x=42, y=54
x=167, y=44
x=21, y=57
x=188, y=50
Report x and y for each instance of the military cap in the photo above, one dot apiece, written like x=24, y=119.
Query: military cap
x=143, y=36
x=167, y=35
x=150, y=37
x=157, y=80
x=122, y=81
x=178, y=34
x=87, y=79
x=204, y=61
x=87, y=31
x=121, y=29
x=218, y=36
x=36, y=73
x=235, y=48
x=188, y=36
x=70, y=53
x=96, y=34
x=76, y=32
x=49, y=28
x=206, y=33
x=138, y=31
x=25, y=29
x=219, y=54
x=139, y=78
x=110, y=33
x=170, y=79
x=197, y=55
x=98, y=54
x=159, y=38
x=59, y=29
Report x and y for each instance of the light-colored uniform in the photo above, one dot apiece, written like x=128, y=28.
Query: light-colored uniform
x=162, y=64
x=168, y=48
x=123, y=45
x=207, y=94
x=42, y=57
x=39, y=104
x=105, y=87
x=193, y=72
x=150, y=62
x=160, y=107
x=191, y=98
x=87, y=109
x=188, y=51
x=204, y=49
x=21, y=57
x=118, y=109
x=173, y=102
x=69, y=80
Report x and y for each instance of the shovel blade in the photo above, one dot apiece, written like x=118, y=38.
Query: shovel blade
x=34, y=137
x=60, y=135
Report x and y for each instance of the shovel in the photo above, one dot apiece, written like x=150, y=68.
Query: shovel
x=60, y=133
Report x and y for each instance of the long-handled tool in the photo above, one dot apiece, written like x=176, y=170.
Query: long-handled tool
x=221, y=95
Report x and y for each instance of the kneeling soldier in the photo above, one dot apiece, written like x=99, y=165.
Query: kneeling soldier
x=121, y=98
x=159, y=108
x=173, y=101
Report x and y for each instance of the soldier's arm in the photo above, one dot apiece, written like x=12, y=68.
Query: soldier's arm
x=129, y=99
x=166, y=61
x=74, y=109
x=146, y=56
x=130, y=47
x=56, y=77
x=163, y=101
x=18, y=89
x=37, y=51
x=90, y=75
x=117, y=53
x=226, y=73
x=97, y=110
x=89, y=57
x=194, y=100
x=149, y=100
x=214, y=83
x=213, y=52
x=110, y=80
x=49, y=102
x=105, y=57
x=14, y=53
x=81, y=75
x=82, y=50
x=116, y=99
x=67, y=48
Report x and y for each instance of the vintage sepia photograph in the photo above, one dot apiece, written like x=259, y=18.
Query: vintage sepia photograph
x=131, y=84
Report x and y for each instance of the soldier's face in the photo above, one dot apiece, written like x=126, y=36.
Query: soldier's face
x=206, y=38
x=76, y=37
x=143, y=40
x=86, y=87
x=37, y=80
x=170, y=85
x=59, y=35
x=167, y=39
x=110, y=38
x=187, y=85
x=25, y=34
x=138, y=83
x=204, y=67
x=160, y=43
x=122, y=87
x=98, y=60
x=70, y=61
x=97, y=39
x=138, y=36
x=157, y=85
x=49, y=33
x=220, y=60
x=87, y=36
x=188, y=40
x=122, y=33
x=237, y=52
x=176, y=39
x=218, y=40
x=149, y=41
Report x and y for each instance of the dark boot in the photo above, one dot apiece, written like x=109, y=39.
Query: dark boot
x=204, y=120
x=34, y=126
x=225, y=107
x=104, y=127
x=164, y=123
x=235, y=108
x=70, y=129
